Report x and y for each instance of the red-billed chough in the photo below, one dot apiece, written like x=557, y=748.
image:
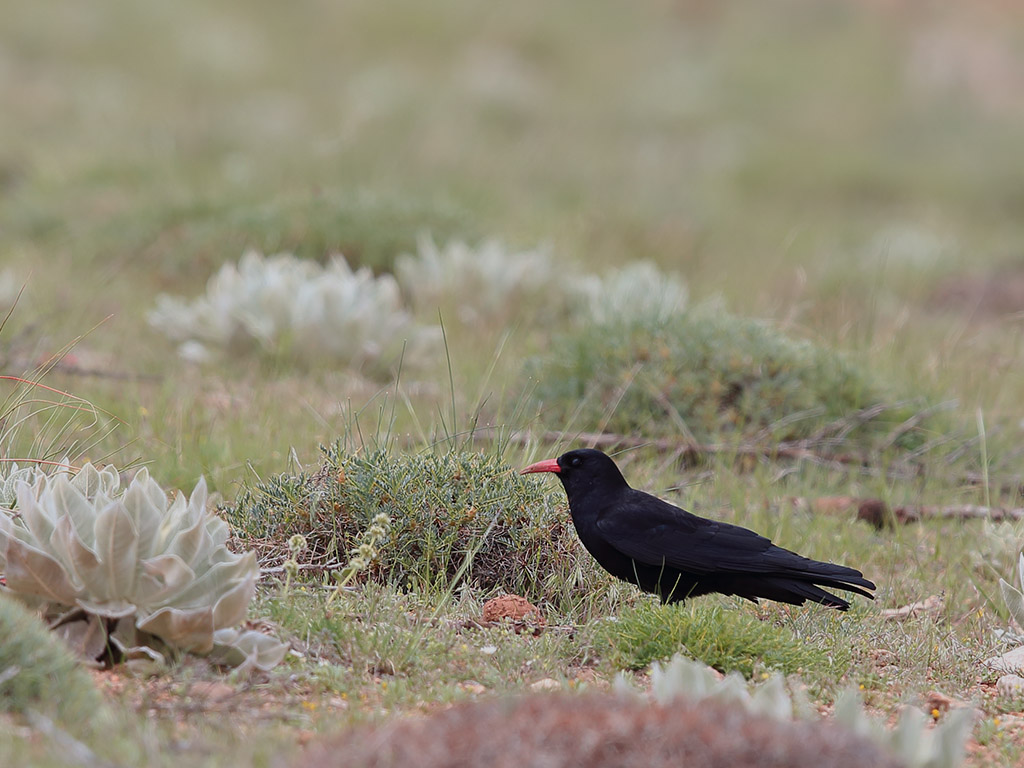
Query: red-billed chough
x=674, y=554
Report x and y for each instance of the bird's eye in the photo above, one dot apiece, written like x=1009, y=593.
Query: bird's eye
x=575, y=461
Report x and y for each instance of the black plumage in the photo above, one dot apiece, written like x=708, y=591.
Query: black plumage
x=674, y=554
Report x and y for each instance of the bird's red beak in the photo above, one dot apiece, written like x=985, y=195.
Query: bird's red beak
x=548, y=465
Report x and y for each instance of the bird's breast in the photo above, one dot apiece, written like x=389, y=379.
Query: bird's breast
x=608, y=557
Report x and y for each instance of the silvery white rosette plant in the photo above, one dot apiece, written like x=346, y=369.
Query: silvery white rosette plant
x=1013, y=597
x=284, y=304
x=913, y=740
x=129, y=571
x=14, y=473
x=10, y=287
x=484, y=282
x=639, y=291
x=1010, y=665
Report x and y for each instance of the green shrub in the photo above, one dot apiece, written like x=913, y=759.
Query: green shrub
x=38, y=672
x=717, y=376
x=728, y=640
x=370, y=229
x=442, y=507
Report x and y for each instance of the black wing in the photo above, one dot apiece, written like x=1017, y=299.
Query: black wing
x=655, y=532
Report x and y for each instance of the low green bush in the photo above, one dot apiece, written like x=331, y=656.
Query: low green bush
x=712, y=375
x=38, y=673
x=447, y=511
x=370, y=229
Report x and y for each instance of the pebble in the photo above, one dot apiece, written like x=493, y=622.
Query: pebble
x=1010, y=686
x=545, y=684
x=1011, y=662
x=211, y=690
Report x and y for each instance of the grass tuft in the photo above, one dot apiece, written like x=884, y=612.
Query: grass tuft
x=723, y=638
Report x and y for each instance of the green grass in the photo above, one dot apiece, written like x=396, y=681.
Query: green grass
x=724, y=638
x=810, y=169
x=397, y=640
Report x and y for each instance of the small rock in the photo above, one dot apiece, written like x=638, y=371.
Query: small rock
x=473, y=687
x=1010, y=686
x=874, y=512
x=1010, y=663
x=212, y=691
x=545, y=684
x=587, y=677
x=381, y=667
x=832, y=504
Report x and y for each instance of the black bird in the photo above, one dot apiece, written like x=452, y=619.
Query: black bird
x=674, y=554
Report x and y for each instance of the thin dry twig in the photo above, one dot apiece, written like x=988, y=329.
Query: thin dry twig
x=910, y=513
x=929, y=606
x=879, y=514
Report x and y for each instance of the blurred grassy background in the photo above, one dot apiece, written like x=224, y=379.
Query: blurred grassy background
x=850, y=169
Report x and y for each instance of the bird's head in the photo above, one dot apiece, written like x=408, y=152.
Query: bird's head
x=582, y=471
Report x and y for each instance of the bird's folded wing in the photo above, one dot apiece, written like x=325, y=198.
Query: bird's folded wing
x=655, y=532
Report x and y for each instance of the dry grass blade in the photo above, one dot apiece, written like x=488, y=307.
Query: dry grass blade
x=54, y=424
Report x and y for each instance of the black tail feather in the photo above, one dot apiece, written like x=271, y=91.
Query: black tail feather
x=794, y=592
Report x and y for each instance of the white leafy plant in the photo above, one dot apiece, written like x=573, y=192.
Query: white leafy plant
x=131, y=569
x=284, y=304
x=10, y=287
x=1013, y=597
x=639, y=291
x=13, y=473
x=492, y=281
x=912, y=740
x=484, y=282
